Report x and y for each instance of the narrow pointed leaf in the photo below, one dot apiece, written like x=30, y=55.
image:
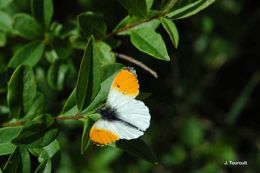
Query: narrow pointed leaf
x=88, y=82
x=189, y=9
x=21, y=91
x=42, y=11
x=172, y=31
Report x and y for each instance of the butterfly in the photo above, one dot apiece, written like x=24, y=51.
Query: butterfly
x=122, y=117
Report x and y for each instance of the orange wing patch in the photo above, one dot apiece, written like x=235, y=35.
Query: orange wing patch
x=102, y=137
x=126, y=82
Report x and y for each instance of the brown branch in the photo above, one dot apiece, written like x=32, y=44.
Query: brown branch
x=139, y=63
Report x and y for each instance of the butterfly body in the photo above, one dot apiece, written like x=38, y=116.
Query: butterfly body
x=123, y=117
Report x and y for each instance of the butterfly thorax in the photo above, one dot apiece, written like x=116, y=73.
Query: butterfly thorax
x=108, y=113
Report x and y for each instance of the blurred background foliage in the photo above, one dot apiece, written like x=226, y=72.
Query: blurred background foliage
x=204, y=106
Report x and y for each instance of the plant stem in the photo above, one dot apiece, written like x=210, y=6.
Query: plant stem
x=60, y=118
x=113, y=33
x=139, y=63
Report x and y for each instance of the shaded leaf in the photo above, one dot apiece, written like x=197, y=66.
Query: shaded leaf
x=21, y=91
x=42, y=10
x=39, y=132
x=56, y=75
x=12, y=164
x=189, y=9
x=85, y=141
x=150, y=42
x=88, y=82
x=30, y=54
x=172, y=31
x=37, y=107
x=70, y=102
x=138, y=148
x=26, y=26
x=92, y=24
x=135, y=7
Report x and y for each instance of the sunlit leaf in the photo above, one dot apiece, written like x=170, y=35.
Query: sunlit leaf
x=172, y=31
x=150, y=42
x=189, y=9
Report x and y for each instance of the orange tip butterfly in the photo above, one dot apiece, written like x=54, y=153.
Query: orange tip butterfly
x=122, y=117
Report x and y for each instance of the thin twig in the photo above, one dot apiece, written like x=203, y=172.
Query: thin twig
x=139, y=63
x=60, y=117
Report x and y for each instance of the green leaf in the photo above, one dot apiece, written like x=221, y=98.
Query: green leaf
x=109, y=70
x=88, y=82
x=85, y=141
x=37, y=107
x=30, y=54
x=6, y=21
x=5, y=3
x=108, y=73
x=70, y=102
x=56, y=75
x=149, y=4
x=135, y=7
x=192, y=133
x=132, y=20
x=108, y=56
x=26, y=26
x=7, y=148
x=189, y=9
x=46, y=152
x=44, y=167
x=172, y=31
x=242, y=99
x=2, y=38
x=39, y=132
x=6, y=136
x=92, y=24
x=150, y=42
x=138, y=148
x=9, y=133
x=26, y=160
x=21, y=91
x=12, y=164
x=42, y=10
